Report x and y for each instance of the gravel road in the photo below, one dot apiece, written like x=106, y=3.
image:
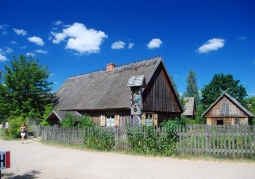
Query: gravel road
x=35, y=160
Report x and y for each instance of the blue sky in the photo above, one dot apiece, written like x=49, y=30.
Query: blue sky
x=75, y=37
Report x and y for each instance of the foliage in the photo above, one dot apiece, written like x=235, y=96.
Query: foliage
x=85, y=121
x=14, y=126
x=212, y=91
x=148, y=141
x=192, y=88
x=250, y=101
x=198, y=117
x=69, y=120
x=48, y=109
x=250, y=104
x=99, y=138
x=26, y=90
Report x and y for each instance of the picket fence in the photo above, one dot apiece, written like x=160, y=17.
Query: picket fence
x=217, y=140
x=192, y=139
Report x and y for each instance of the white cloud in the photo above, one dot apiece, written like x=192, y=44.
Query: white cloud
x=13, y=42
x=2, y=26
x=212, y=44
x=2, y=58
x=78, y=54
x=52, y=74
x=29, y=53
x=58, y=23
x=49, y=37
x=241, y=38
x=8, y=50
x=2, y=51
x=23, y=47
x=130, y=45
x=54, y=28
x=154, y=43
x=80, y=38
x=36, y=40
x=118, y=45
x=20, y=31
x=5, y=32
x=41, y=51
x=176, y=75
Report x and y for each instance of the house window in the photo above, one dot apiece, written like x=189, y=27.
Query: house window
x=219, y=122
x=110, y=120
x=149, y=120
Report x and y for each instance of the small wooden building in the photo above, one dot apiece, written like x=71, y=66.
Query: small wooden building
x=190, y=107
x=107, y=96
x=56, y=117
x=227, y=110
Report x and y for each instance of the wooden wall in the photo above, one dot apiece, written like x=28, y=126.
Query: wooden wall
x=234, y=111
x=159, y=95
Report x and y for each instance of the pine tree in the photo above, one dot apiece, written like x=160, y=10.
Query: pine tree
x=192, y=88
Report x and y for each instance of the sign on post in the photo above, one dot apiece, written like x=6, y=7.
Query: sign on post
x=5, y=159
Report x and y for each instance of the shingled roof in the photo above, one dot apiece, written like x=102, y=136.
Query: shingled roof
x=103, y=90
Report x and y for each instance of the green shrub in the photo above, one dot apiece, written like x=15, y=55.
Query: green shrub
x=14, y=126
x=69, y=120
x=149, y=141
x=85, y=121
x=47, y=111
x=99, y=138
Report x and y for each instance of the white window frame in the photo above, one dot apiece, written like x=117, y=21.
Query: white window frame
x=110, y=120
x=149, y=119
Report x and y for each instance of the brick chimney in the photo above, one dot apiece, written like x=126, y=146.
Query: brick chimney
x=110, y=67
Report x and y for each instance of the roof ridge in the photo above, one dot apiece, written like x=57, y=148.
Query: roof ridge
x=119, y=68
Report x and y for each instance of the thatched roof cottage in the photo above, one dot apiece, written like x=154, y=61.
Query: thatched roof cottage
x=138, y=93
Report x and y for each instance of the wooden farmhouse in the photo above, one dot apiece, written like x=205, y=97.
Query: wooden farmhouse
x=138, y=93
x=227, y=110
x=190, y=107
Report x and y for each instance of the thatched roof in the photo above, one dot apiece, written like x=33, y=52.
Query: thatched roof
x=190, y=106
x=103, y=90
x=233, y=100
x=61, y=115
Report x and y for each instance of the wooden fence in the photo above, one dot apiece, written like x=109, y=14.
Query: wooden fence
x=217, y=140
x=193, y=139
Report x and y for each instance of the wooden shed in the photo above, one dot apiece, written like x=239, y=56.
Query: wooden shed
x=190, y=107
x=227, y=110
x=105, y=96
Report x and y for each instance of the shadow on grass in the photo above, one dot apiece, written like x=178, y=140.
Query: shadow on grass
x=30, y=175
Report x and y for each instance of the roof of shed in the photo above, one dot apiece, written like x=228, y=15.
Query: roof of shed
x=189, y=106
x=61, y=114
x=234, y=101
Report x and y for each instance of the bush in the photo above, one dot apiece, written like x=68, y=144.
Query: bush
x=14, y=126
x=146, y=140
x=85, y=121
x=69, y=120
x=99, y=138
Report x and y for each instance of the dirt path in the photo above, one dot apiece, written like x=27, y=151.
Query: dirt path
x=35, y=160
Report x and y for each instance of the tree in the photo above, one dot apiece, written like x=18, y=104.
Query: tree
x=250, y=102
x=192, y=88
x=212, y=91
x=25, y=90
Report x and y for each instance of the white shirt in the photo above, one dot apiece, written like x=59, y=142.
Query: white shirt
x=6, y=125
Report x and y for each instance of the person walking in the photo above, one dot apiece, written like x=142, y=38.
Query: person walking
x=23, y=132
x=6, y=126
